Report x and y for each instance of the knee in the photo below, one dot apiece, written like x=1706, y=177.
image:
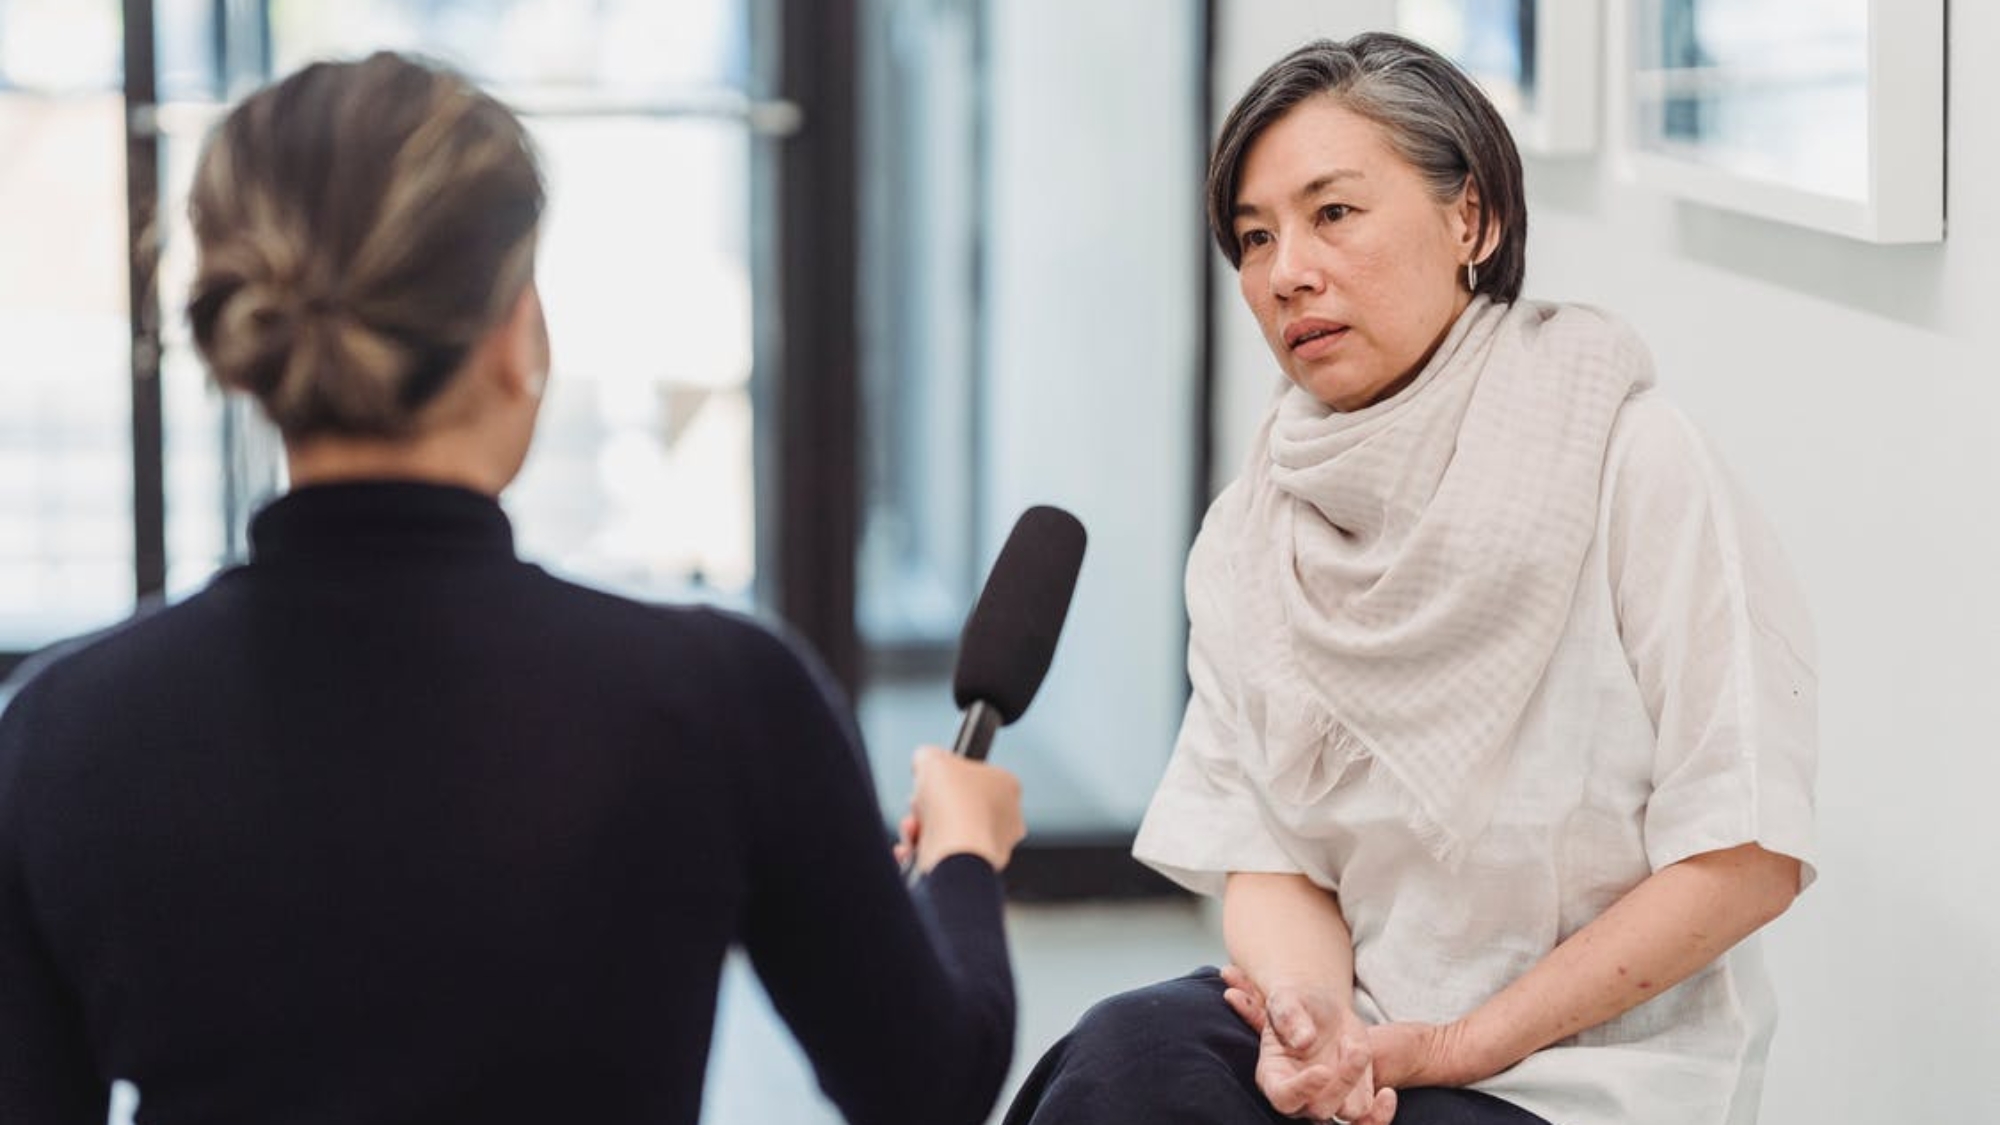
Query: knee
x=1177, y=1015
x=1167, y=1054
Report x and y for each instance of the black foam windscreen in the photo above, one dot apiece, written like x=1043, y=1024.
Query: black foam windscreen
x=1010, y=635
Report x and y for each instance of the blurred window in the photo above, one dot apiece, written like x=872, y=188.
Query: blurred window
x=641, y=479
x=920, y=261
x=1032, y=267
x=641, y=475
x=65, y=416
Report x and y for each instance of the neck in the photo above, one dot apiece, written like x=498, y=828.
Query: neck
x=433, y=460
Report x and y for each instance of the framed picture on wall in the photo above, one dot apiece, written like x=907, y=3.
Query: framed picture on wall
x=1828, y=115
x=1537, y=60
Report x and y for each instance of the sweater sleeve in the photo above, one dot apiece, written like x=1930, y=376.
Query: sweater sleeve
x=904, y=1003
x=46, y=1072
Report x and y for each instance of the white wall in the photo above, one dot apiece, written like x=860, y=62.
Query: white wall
x=1854, y=390
x=1093, y=268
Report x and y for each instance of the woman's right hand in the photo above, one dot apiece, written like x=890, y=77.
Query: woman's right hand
x=960, y=806
x=1314, y=1059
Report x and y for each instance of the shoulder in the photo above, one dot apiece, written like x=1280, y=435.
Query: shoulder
x=711, y=635
x=73, y=687
x=1211, y=561
x=1675, y=518
x=1659, y=473
x=1582, y=330
x=1651, y=440
x=1223, y=519
x=1660, y=469
x=770, y=686
x=762, y=648
x=1652, y=448
x=87, y=661
x=1229, y=514
x=753, y=658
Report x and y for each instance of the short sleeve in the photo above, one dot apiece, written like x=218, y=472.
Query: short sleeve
x=1720, y=644
x=1206, y=819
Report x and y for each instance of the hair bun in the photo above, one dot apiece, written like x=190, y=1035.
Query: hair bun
x=308, y=358
x=255, y=328
x=316, y=307
x=358, y=228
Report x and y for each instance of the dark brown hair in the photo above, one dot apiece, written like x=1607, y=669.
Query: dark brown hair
x=358, y=227
x=1432, y=114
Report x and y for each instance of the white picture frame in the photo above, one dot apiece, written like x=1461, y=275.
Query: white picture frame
x=1538, y=60
x=1829, y=117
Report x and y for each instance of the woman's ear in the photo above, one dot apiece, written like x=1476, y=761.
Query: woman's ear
x=524, y=346
x=1465, y=213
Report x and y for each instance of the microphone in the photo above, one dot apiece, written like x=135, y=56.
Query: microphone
x=1010, y=635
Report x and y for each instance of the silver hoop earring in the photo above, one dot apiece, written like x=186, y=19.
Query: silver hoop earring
x=1471, y=277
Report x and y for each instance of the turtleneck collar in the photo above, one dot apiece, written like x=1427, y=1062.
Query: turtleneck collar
x=378, y=520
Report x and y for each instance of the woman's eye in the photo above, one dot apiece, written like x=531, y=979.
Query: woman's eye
x=1334, y=212
x=1250, y=239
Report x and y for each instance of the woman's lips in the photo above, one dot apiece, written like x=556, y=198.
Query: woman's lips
x=1311, y=339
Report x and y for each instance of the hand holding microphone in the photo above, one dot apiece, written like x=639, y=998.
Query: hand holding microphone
x=960, y=804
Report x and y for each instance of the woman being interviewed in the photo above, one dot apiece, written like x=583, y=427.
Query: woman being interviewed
x=1502, y=733
x=389, y=826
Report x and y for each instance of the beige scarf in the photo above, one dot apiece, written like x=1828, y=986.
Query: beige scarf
x=1404, y=571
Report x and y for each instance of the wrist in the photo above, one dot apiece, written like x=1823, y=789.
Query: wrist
x=1331, y=999
x=967, y=844
x=1467, y=1054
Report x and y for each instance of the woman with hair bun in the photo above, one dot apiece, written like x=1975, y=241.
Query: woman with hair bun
x=387, y=825
x=1501, y=742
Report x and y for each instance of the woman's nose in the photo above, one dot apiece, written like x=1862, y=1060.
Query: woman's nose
x=1295, y=268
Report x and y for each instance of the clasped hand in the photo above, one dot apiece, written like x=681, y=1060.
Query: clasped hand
x=1316, y=1058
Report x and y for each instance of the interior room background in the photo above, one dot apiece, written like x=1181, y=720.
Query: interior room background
x=838, y=288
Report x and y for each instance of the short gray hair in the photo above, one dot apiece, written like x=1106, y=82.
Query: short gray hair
x=1435, y=117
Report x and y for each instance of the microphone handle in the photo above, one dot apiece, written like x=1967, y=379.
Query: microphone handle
x=975, y=732
x=975, y=738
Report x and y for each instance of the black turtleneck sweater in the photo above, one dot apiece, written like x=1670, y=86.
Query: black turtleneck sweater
x=387, y=826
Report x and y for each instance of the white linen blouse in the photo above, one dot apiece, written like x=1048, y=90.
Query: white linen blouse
x=1676, y=717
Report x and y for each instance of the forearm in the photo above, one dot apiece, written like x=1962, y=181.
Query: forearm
x=1664, y=930
x=963, y=906
x=1283, y=930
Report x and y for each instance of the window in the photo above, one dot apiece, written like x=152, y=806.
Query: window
x=65, y=420
x=1034, y=260
x=641, y=477
x=921, y=311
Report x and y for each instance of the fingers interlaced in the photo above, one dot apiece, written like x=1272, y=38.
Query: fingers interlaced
x=1294, y=1026
x=1294, y=1072
x=1246, y=1008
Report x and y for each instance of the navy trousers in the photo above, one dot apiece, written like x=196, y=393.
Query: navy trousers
x=1175, y=1053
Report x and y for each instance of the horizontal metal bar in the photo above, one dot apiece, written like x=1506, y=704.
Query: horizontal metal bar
x=768, y=117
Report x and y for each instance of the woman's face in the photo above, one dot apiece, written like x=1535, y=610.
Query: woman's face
x=1354, y=271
